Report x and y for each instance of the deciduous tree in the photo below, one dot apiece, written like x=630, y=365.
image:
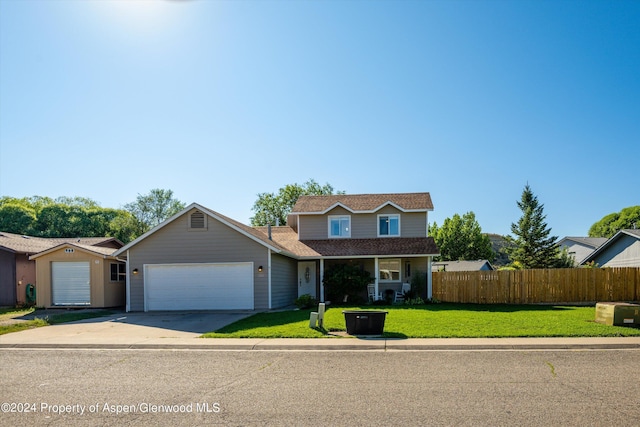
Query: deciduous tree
x=271, y=208
x=614, y=222
x=461, y=238
x=151, y=209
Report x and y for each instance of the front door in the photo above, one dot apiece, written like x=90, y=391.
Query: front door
x=307, y=278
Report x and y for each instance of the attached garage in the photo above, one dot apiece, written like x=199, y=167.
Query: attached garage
x=71, y=283
x=199, y=286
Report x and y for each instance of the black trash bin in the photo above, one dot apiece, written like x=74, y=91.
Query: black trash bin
x=365, y=322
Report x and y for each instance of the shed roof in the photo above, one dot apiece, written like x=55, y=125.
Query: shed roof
x=97, y=250
x=31, y=245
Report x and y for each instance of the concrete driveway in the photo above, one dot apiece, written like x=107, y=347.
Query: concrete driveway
x=128, y=328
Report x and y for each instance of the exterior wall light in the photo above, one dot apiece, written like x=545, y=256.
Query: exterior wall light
x=260, y=269
x=135, y=271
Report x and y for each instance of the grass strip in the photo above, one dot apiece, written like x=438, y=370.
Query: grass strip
x=45, y=320
x=437, y=321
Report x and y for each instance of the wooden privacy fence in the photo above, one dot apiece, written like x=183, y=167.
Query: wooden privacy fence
x=561, y=285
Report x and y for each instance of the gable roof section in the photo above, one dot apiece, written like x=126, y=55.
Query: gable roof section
x=591, y=242
x=32, y=245
x=23, y=244
x=363, y=203
x=250, y=232
x=628, y=232
x=95, y=250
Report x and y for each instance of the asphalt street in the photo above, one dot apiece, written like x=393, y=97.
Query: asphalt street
x=247, y=388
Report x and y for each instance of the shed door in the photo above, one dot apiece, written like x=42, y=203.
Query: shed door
x=71, y=283
x=219, y=286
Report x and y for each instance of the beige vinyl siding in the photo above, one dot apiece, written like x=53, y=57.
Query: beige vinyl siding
x=284, y=278
x=103, y=293
x=114, y=292
x=363, y=226
x=174, y=244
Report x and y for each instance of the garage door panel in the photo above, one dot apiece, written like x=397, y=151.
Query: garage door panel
x=71, y=283
x=199, y=286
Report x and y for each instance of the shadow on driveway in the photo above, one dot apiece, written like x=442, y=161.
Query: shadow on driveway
x=198, y=322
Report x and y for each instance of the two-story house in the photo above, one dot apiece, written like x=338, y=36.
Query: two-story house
x=200, y=259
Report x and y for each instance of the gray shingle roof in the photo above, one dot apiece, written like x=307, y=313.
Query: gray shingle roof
x=32, y=245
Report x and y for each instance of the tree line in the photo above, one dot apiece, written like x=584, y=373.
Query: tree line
x=82, y=217
x=458, y=238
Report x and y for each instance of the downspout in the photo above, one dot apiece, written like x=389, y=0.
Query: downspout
x=269, y=273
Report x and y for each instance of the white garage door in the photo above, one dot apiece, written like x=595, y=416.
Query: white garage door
x=198, y=286
x=70, y=283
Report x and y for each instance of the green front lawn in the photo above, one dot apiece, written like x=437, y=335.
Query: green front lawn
x=437, y=321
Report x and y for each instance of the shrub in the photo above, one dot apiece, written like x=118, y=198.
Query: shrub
x=418, y=285
x=414, y=301
x=305, y=301
x=345, y=281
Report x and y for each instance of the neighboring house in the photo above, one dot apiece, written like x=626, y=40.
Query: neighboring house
x=17, y=270
x=202, y=260
x=622, y=250
x=478, y=265
x=580, y=247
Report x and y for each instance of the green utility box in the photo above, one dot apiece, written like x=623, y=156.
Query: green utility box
x=618, y=313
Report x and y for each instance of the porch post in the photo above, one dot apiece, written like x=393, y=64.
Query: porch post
x=375, y=275
x=321, y=279
x=429, y=282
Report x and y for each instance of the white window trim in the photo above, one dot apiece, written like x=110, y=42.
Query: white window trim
x=329, y=218
x=399, y=261
x=388, y=235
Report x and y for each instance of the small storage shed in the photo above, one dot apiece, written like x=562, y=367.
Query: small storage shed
x=76, y=275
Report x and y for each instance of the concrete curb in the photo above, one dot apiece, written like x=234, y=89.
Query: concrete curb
x=356, y=344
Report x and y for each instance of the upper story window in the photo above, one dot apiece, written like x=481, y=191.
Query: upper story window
x=340, y=226
x=388, y=225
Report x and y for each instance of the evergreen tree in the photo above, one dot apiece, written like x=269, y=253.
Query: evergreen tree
x=533, y=247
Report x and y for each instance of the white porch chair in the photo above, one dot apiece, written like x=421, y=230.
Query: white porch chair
x=371, y=292
x=400, y=294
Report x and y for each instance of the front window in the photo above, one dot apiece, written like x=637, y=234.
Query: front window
x=339, y=226
x=388, y=225
x=118, y=272
x=389, y=270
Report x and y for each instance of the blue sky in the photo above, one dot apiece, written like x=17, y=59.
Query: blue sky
x=222, y=100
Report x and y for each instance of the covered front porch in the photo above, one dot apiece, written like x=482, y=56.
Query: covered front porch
x=388, y=274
